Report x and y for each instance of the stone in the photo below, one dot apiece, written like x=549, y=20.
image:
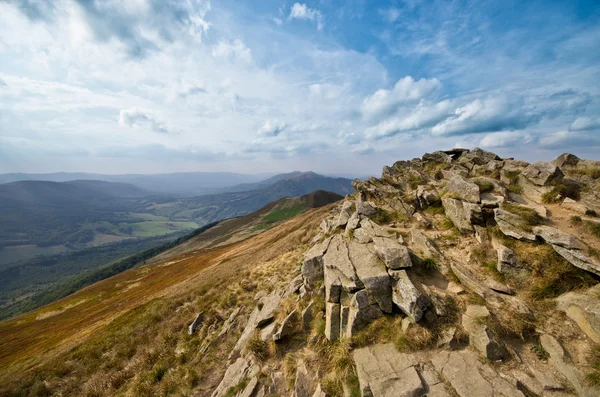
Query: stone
x=365, y=208
x=579, y=259
x=362, y=311
x=294, y=286
x=426, y=196
x=407, y=297
x=462, y=214
x=352, y=224
x=557, y=237
x=266, y=334
x=481, y=234
x=312, y=266
x=478, y=156
x=373, y=229
x=480, y=336
x=498, y=286
x=319, y=392
x=455, y=288
x=423, y=243
x=507, y=259
x=287, y=326
x=529, y=383
x=512, y=225
x=303, y=384
x=469, y=280
x=566, y=159
x=372, y=274
x=241, y=369
x=384, y=372
x=448, y=339
x=307, y=315
x=464, y=371
x=337, y=258
x=333, y=285
x=332, y=321
x=345, y=214
x=583, y=307
x=362, y=236
x=421, y=220
x=436, y=157
x=196, y=323
x=491, y=200
x=270, y=304
x=575, y=206
x=250, y=388
x=460, y=188
x=228, y=324
x=542, y=173
x=392, y=253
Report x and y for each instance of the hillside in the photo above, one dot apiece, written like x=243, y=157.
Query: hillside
x=456, y=274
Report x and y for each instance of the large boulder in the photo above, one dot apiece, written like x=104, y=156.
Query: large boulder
x=384, y=372
x=480, y=336
x=557, y=237
x=437, y=157
x=543, y=173
x=460, y=188
x=426, y=196
x=513, y=225
x=337, y=258
x=566, y=160
x=579, y=259
x=477, y=156
x=362, y=311
x=345, y=213
x=312, y=266
x=462, y=214
x=372, y=273
x=407, y=297
x=366, y=209
x=394, y=255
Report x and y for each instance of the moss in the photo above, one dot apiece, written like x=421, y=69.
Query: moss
x=484, y=186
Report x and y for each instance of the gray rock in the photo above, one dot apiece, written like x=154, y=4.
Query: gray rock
x=365, y=208
x=426, y=196
x=372, y=274
x=228, y=324
x=352, y=224
x=583, y=308
x=373, y=229
x=480, y=336
x=422, y=221
x=579, y=259
x=423, y=243
x=491, y=200
x=481, y=234
x=512, y=225
x=464, y=371
x=362, y=236
x=312, y=266
x=437, y=157
x=270, y=304
x=345, y=213
x=363, y=310
x=332, y=321
x=333, y=285
x=469, y=280
x=196, y=323
x=384, y=372
x=294, y=286
x=542, y=173
x=307, y=315
x=448, y=339
x=498, y=286
x=566, y=159
x=575, y=206
x=303, y=384
x=462, y=214
x=463, y=189
x=478, y=156
x=337, y=258
x=394, y=255
x=250, y=388
x=557, y=237
x=507, y=259
x=266, y=334
x=242, y=368
x=407, y=297
x=287, y=326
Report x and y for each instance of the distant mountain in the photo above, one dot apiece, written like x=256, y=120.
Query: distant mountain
x=114, y=189
x=181, y=183
x=244, y=187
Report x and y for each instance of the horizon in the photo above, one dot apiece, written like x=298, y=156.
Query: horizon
x=148, y=87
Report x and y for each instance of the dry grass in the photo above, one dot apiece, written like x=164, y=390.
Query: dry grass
x=529, y=215
x=123, y=342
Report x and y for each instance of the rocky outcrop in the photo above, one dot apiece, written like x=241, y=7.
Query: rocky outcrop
x=579, y=259
x=507, y=259
x=513, y=225
x=312, y=266
x=407, y=297
x=426, y=196
x=480, y=336
x=462, y=214
x=242, y=368
x=557, y=237
x=392, y=253
x=372, y=274
x=543, y=173
x=460, y=188
x=196, y=323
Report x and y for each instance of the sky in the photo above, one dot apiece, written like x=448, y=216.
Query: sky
x=250, y=86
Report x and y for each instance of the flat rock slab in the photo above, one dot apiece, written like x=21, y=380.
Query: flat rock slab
x=372, y=273
x=473, y=321
x=557, y=237
x=512, y=225
x=579, y=259
x=312, y=266
x=337, y=258
x=407, y=297
x=384, y=372
x=584, y=309
x=463, y=189
x=462, y=214
x=242, y=368
x=465, y=372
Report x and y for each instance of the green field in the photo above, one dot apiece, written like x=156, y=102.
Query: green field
x=20, y=252
x=155, y=228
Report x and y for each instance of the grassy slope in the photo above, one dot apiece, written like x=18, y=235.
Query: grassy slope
x=31, y=339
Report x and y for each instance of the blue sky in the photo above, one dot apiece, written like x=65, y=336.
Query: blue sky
x=272, y=86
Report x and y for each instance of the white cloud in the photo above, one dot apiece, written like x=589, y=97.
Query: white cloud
x=277, y=21
x=136, y=117
x=505, y=139
x=302, y=11
x=233, y=50
x=272, y=128
x=404, y=91
x=390, y=14
x=585, y=124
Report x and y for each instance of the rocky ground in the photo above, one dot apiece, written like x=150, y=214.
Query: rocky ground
x=456, y=274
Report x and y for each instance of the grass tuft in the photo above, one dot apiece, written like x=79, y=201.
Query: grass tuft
x=258, y=348
x=529, y=215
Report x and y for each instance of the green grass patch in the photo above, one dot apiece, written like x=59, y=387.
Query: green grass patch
x=284, y=213
x=529, y=215
x=593, y=173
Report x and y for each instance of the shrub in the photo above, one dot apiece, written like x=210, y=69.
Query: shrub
x=576, y=219
x=562, y=189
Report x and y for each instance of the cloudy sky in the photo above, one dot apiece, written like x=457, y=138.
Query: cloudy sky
x=121, y=86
